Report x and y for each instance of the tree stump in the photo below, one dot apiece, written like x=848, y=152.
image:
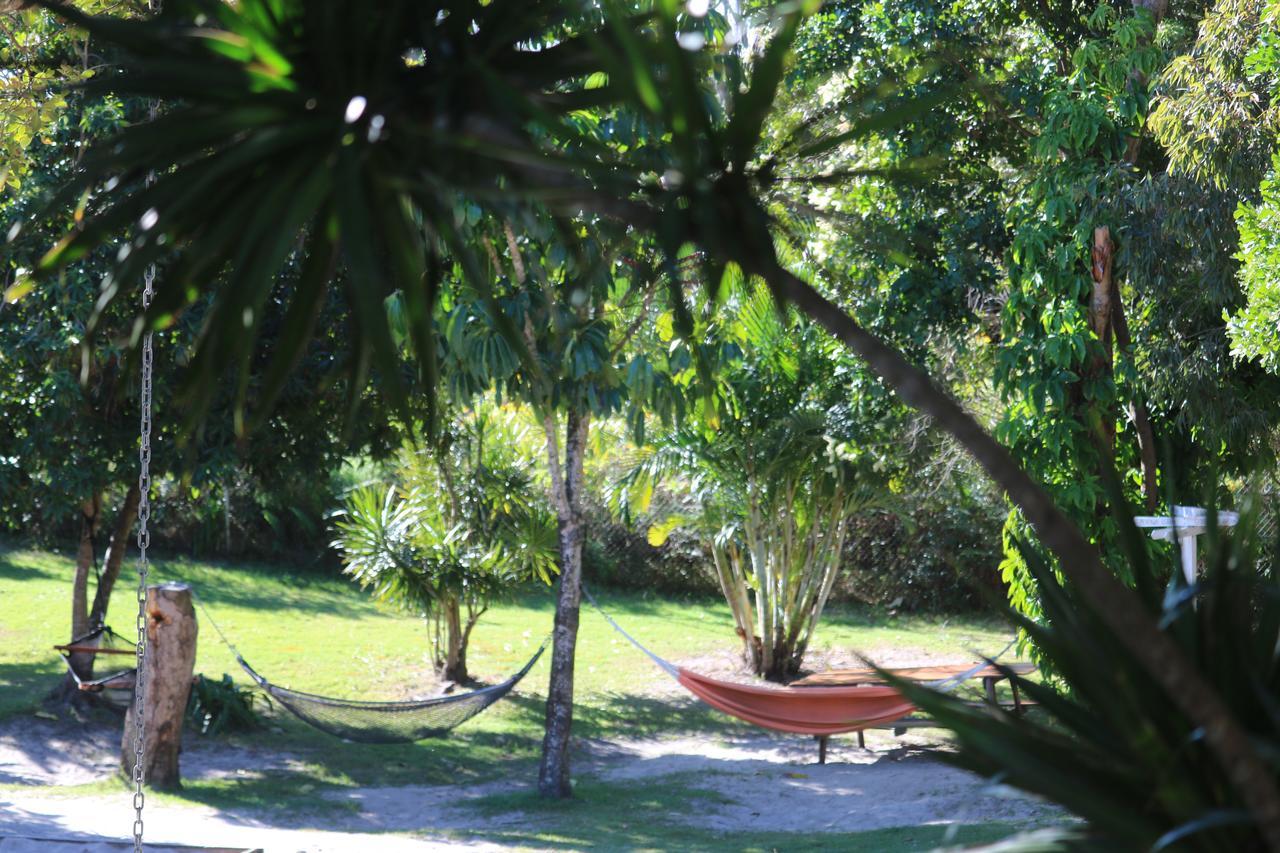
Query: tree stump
x=170, y=662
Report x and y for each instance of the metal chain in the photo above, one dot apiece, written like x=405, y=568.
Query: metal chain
x=144, y=542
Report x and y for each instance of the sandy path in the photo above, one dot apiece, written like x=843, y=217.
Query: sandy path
x=775, y=783
x=760, y=783
x=36, y=751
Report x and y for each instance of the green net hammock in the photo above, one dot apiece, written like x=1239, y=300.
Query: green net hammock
x=388, y=722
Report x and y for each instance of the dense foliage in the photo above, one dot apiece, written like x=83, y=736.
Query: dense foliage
x=1111, y=750
x=999, y=202
x=773, y=488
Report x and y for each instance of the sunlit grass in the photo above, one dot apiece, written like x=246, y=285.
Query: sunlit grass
x=325, y=635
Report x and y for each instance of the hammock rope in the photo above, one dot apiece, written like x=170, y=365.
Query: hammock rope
x=380, y=722
x=798, y=710
x=116, y=687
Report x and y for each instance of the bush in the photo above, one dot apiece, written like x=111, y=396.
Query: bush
x=622, y=558
x=222, y=707
x=938, y=558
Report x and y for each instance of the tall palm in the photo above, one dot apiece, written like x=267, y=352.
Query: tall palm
x=315, y=125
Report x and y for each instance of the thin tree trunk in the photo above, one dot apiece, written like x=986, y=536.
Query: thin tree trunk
x=1137, y=409
x=114, y=558
x=473, y=616
x=1117, y=605
x=553, y=773
x=86, y=560
x=1117, y=322
x=455, y=656
x=1101, y=364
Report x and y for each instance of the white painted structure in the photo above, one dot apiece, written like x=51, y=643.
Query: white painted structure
x=1186, y=523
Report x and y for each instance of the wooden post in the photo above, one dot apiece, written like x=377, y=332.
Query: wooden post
x=171, y=658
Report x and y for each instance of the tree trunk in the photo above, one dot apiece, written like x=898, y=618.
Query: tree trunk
x=1137, y=410
x=114, y=559
x=166, y=674
x=1100, y=364
x=86, y=561
x=455, y=656
x=1118, y=324
x=553, y=773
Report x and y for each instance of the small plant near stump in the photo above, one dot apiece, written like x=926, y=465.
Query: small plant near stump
x=222, y=706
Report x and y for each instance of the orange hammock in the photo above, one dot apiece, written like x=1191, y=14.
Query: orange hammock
x=805, y=711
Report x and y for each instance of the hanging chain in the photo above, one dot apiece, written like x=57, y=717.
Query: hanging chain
x=144, y=542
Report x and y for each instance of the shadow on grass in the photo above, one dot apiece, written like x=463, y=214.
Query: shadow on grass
x=629, y=715
x=504, y=742
x=259, y=586
x=12, y=570
x=24, y=685
x=282, y=797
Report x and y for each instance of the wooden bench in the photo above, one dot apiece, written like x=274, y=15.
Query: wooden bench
x=989, y=675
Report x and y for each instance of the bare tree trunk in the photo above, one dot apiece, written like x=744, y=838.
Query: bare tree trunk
x=86, y=561
x=1138, y=411
x=553, y=773
x=1118, y=324
x=171, y=658
x=114, y=558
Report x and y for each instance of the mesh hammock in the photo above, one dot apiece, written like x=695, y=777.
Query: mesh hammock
x=116, y=687
x=388, y=722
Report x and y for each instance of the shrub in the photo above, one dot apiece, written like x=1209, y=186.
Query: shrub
x=936, y=559
x=222, y=707
x=1112, y=745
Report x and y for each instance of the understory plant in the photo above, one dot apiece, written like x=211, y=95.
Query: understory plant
x=222, y=706
x=774, y=486
x=464, y=522
x=1108, y=743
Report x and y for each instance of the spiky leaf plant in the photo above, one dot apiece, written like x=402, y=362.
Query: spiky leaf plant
x=1107, y=742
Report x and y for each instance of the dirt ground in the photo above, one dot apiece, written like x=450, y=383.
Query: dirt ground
x=896, y=782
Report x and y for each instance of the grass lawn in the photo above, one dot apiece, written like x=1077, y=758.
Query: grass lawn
x=326, y=636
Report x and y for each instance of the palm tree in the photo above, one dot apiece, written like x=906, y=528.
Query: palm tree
x=451, y=535
x=358, y=140
x=773, y=486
